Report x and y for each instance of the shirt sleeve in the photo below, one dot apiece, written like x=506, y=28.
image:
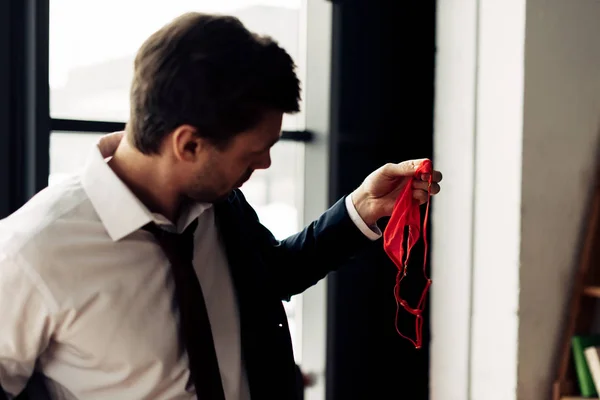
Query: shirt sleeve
x=25, y=326
x=372, y=232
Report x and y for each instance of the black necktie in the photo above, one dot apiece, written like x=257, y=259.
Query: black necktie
x=194, y=323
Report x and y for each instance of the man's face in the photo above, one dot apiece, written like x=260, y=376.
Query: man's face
x=223, y=169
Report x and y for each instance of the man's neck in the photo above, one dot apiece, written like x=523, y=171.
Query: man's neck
x=147, y=178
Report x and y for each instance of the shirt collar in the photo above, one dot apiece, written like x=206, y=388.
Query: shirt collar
x=120, y=211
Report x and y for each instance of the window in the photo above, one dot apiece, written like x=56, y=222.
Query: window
x=91, y=61
x=90, y=71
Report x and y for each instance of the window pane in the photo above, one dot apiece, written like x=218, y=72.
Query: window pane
x=93, y=44
x=68, y=153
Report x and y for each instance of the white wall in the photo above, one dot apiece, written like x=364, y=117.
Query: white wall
x=452, y=210
x=498, y=136
x=517, y=107
x=478, y=135
x=560, y=125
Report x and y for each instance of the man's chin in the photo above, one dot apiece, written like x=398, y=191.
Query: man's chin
x=210, y=198
x=221, y=198
x=241, y=183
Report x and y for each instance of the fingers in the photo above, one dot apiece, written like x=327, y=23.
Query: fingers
x=405, y=168
x=421, y=189
x=437, y=176
x=408, y=168
x=108, y=143
x=423, y=186
x=420, y=195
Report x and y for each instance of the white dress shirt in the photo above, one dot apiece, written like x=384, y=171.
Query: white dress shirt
x=86, y=297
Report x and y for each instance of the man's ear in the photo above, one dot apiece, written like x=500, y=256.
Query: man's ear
x=186, y=144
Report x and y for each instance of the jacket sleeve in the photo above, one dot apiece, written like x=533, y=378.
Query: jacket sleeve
x=301, y=260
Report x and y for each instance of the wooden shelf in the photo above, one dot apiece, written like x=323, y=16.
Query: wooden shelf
x=578, y=398
x=582, y=304
x=592, y=291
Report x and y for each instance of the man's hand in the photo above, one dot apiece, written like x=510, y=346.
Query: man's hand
x=108, y=143
x=376, y=196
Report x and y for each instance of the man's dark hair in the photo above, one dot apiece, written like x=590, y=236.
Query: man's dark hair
x=210, y=72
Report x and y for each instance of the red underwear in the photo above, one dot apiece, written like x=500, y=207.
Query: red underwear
x=407, y=213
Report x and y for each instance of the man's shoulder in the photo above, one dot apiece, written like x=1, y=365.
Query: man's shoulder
x=41, y=242
x=47, y=217
x=237, y=197
x=237, y=201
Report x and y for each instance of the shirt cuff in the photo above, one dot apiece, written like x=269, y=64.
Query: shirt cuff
x=372, y=232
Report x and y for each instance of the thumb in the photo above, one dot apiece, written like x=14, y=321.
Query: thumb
x=403, y=169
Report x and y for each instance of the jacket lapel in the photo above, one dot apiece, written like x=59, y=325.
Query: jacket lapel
x=266, y=346
x=242, y=267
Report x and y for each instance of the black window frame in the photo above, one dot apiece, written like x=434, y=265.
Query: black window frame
x=26, y=122
x=91, y=126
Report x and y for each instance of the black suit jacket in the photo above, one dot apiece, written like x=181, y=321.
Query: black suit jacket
x=266, y=271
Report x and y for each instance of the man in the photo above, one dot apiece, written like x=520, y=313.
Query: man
x=94, y=293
